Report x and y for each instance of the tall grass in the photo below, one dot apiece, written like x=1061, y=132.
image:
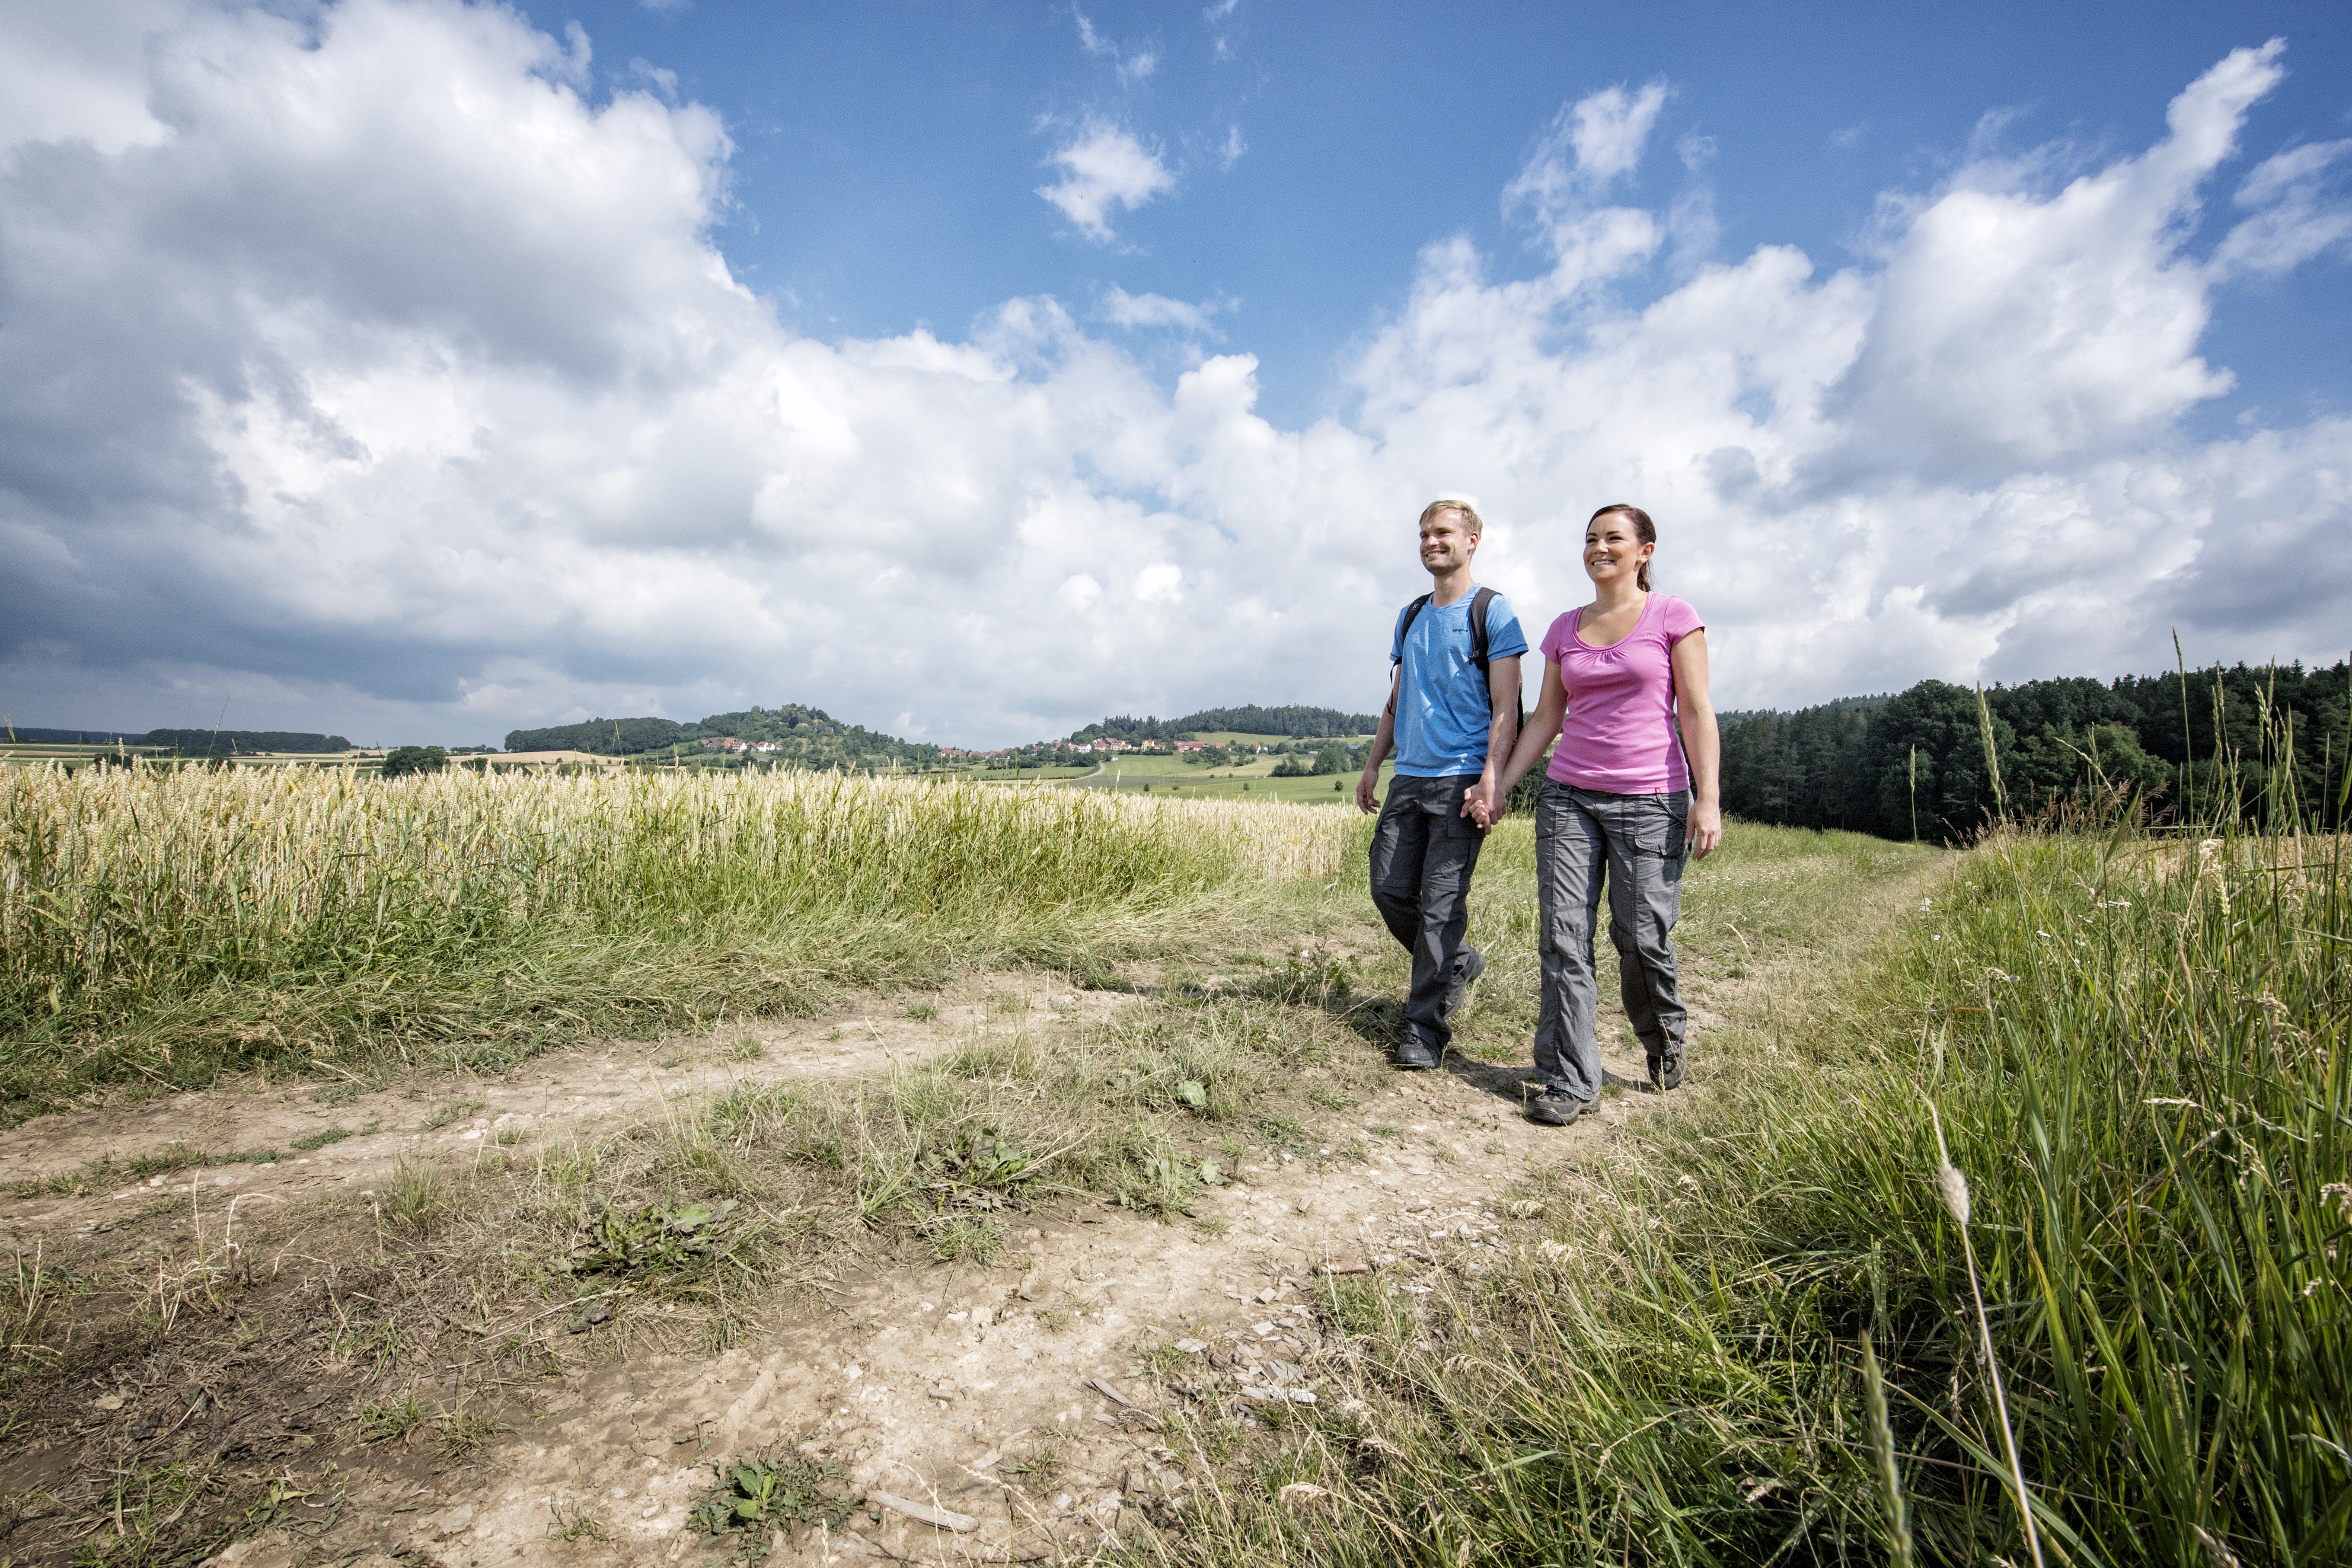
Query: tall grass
x=2137, y=1053
x=172, y=922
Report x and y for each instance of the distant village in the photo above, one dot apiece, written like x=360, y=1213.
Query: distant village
x=1105, y=744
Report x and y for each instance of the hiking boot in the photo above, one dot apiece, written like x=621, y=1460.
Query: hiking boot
x=1413, y=1053
x=1554, y=1108
x=1667, y=1072
x=1468, y=964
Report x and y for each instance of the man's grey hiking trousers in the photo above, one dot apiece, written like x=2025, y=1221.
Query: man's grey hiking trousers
x=1423, y=850
x=1633, y=843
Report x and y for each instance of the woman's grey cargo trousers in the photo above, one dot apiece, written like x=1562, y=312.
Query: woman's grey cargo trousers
x=1633, y=845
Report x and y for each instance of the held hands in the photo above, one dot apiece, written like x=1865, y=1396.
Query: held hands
x=1704, y=830
x=1483, y=804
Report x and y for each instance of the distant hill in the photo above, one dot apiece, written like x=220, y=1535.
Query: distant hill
x=1298, y=722
x=193, y=743
x=803, y=737
x=604, y=737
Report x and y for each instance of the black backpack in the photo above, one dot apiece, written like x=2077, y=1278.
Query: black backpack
x=1479, y=603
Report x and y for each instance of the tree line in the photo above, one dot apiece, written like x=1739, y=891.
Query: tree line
x=803, y=737
x=195, y=743
x=2245, y=739
x=1298, y=722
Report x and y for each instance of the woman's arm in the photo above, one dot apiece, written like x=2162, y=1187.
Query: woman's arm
x=1542, y=729
x=1700, y=742
x=1368, y=788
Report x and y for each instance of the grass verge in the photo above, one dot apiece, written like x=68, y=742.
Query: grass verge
x=2137, y=1055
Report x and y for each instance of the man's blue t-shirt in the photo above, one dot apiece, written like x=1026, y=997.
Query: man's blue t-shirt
x=1443, y=707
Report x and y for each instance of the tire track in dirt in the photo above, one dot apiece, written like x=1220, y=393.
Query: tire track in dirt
x=70, y=1172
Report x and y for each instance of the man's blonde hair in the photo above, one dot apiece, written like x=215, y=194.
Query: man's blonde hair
x=1478, y=523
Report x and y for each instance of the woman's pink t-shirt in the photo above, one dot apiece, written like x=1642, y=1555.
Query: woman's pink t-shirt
x=1619, y=737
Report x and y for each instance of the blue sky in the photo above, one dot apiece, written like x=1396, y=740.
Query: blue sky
x=419, y=370
x=883, y=150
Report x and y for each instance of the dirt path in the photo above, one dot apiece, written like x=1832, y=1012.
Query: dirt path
x=998, y=1394
x=1034, y=1404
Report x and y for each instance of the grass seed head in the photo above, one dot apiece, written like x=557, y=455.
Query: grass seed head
x=1954, y=1187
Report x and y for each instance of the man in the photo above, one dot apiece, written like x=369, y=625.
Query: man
x=1451, y=724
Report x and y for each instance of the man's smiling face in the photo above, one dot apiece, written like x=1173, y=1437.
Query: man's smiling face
x=1446, y=542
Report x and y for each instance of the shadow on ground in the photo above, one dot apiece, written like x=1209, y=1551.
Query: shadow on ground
x=1517, y=1082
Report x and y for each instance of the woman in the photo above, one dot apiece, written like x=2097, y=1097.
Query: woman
x=1622, y=803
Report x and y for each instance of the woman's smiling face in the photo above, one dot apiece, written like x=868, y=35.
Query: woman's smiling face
x=1613, y=552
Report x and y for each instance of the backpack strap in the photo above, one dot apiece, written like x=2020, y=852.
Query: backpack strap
x=1404, y=627
x=1485, y=596
x=1479, y=603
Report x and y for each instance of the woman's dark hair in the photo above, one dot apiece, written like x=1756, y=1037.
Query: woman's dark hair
x=1643, y=529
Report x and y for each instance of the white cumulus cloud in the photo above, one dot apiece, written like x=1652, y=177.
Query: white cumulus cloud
x=394, y=386
x=1104, y=166
x=1131, y=65
x=1122, y=309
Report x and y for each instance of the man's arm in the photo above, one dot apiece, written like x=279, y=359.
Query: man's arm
x=1701, y=743
x=1482, y=802
x=1368, y=787
x=1542, y=729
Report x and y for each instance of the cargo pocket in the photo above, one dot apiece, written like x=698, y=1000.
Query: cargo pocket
x=1662, y=838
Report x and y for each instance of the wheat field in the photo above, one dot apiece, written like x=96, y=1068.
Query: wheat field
x=169, y=922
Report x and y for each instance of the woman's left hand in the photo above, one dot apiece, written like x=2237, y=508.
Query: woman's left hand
x=1704, y=831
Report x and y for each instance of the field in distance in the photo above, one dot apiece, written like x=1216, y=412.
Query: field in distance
x=1250, y=782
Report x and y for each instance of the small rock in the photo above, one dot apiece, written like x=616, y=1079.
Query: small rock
x=112, y=1402
x=454, y=1521
x=943, y=1391
x=1191, y=1347
x=939, y=1518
